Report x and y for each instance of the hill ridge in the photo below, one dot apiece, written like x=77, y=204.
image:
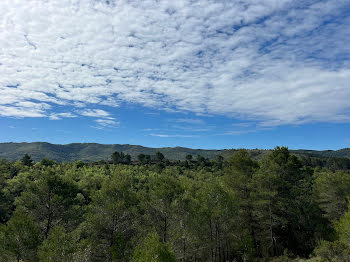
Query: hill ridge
x=96, y=151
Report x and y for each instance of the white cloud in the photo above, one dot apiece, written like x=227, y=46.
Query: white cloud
x=94, y=113
x=24, y=109
x=102, y=123
x=273, y=61
x=175, y=136
x=192, y=129
x=189, y=121
x=239, y=132
x=242, y=124
x=58, y=116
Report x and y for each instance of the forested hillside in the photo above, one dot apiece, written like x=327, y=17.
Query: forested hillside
x=279, y=208
x=92, y=151
x=95, y=152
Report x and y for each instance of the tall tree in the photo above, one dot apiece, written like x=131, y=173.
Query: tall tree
x=283, y=204
x=52, y=200
x=189, y=157
x=59, y=246
x=338, y=250
x=159, y=156
x=116, y=158
x=332, y=191
x=141, y=158
x=159, y=201
x=111, y=218
x=238, y=178
x=151, y=249
x=21, y=237
x=27, y=160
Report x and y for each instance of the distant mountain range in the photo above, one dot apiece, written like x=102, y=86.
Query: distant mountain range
x=95, y=152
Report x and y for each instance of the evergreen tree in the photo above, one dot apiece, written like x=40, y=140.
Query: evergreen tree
x=151, y=249
x=338, y=250
x=21, y=237
x=188, y=157
x=141, y=158
x=51, y=200
x=111, y=217
x=238, y=178
x=59, y=246
x=159, y=156
x=332, y=191
x=116, y=158
x=283, y=204
x=27, y=160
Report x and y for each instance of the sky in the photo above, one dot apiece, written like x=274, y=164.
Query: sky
x=196, y=73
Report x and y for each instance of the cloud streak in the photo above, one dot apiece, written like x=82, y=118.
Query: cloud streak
x=173, y=136
x=94, y=113
x=58, y=116
x=275, y=62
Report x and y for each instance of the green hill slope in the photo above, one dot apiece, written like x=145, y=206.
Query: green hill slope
x=95, y=152
x=92, y=151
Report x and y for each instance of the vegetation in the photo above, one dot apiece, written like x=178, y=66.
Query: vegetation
x=90, y=152
x=281, y=207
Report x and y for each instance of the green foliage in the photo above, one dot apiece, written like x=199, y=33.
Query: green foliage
x=92, y=152
x=47, y=162
x=141, y=158
x=338, y=250
x=121, y=158
x=239, y=209
x=51, y=200
x=283, y=206
x=151, y=249
x=159, y=156
x=333, y=252
x=110, y=217
x=27, y=160
x=332, y=191
x=6, y=199
x=343, y=228
x=189, y=157
x=59, y=246
x=20, y=237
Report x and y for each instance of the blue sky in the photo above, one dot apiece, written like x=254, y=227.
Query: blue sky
x=201, y=74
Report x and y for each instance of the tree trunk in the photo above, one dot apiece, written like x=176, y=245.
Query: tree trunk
x=49, y=218
x=211, y=240
x=273, y=241
x=165, y=229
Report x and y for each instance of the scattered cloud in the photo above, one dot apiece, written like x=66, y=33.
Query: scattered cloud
x=102, y=123
x=94, y=113
x=173, y=136
x=150, y=129
x=239, y=132
x=276, y=62
x=193, y=129
x=243, y=124
x=58, y=116
x=189, y=121
x=21, y=112
x=152, y=113
x=246, y=128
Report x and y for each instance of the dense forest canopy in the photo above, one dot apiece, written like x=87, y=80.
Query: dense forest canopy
x=281, y=207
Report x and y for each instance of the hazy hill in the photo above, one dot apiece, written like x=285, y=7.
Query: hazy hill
x=95, y=152
x=92, y=151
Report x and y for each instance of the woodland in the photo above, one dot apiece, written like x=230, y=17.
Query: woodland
x=282, y=207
